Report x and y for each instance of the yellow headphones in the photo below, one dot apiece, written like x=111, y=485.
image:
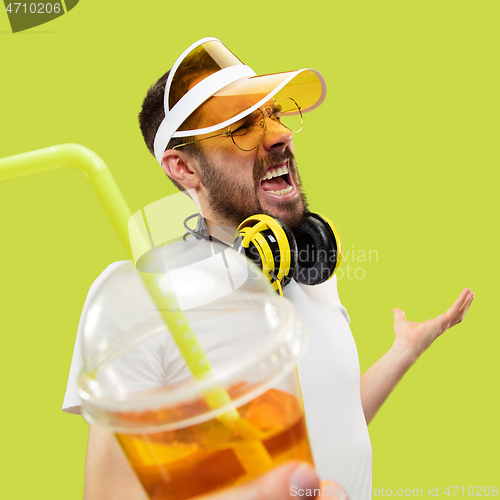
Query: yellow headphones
x=310, y=254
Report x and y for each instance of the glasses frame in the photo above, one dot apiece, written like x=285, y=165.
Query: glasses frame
x=266, y=112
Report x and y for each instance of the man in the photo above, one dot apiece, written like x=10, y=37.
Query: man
x=222, y=132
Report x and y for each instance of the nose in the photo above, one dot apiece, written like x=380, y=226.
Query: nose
x=276, y=137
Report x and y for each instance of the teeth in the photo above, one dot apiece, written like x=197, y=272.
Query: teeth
x=276, y=172
x=282, y=192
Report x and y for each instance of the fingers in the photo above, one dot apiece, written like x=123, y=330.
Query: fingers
x=333, y=490
x=456, y=312
x=469, y=302
x=463, y=310
x=455, y=308
x=399, y=315
x=290, y=480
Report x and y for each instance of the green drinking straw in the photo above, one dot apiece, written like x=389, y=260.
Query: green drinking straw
x=254, y=457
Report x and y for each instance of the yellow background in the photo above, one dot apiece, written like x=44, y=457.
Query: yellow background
x=403, y=156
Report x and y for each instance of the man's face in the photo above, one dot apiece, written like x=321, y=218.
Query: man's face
x=239, y=183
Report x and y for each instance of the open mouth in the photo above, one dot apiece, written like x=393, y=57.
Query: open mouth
x=277, y=180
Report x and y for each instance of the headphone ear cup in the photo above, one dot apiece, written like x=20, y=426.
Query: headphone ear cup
x=269, y=243
x=318, y=250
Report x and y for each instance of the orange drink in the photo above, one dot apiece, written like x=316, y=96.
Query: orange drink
x=184, y=463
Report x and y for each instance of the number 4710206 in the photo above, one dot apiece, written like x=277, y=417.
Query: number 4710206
x=34, y=8
x=472, y=491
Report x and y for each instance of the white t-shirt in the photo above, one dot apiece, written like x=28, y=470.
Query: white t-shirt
x=329, y=376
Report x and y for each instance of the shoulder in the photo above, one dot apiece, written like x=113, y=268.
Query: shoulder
x=326, y=292
x=324, y=296
x=106, y=273
x=111, y=267
x=98, y=282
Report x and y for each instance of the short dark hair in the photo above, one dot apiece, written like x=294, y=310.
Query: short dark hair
x=150, y=118
x=152, y=113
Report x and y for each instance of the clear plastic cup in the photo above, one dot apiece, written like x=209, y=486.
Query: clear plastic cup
x=185, y=432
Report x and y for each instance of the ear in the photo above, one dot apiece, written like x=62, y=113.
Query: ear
x=181, y=167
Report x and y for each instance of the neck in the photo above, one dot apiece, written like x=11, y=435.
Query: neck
x=222, y=233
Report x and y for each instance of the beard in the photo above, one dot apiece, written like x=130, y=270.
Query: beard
x=234, y=201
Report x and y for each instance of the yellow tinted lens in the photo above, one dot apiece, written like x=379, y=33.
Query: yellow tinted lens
x=288, y=113
x=247, y=133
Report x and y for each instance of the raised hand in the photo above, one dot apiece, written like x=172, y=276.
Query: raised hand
x=415, y=337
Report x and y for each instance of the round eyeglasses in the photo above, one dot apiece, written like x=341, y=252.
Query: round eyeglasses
x=248, y=132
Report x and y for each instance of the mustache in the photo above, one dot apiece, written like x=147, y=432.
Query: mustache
x=272, y=158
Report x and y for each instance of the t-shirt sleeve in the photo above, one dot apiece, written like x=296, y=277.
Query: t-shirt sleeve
x=72, y=402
